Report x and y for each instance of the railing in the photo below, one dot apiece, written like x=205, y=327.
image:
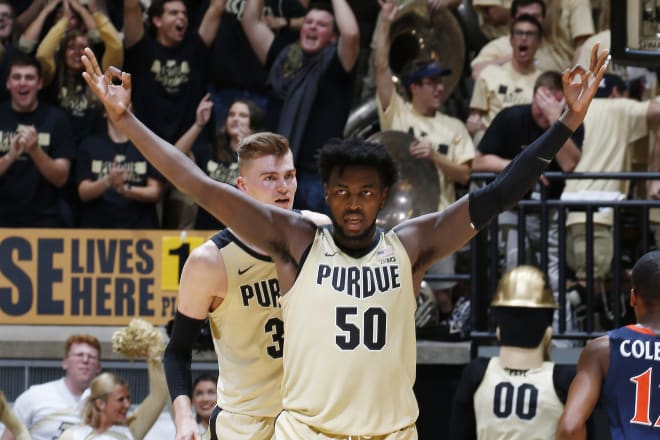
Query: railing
x=485, y=261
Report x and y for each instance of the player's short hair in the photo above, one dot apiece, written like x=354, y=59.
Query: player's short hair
x=646, y=277
x=100, y=388
x=550, y=79
x=261, y=144
x=352, y=151
x=82, y=339
x=24, y=60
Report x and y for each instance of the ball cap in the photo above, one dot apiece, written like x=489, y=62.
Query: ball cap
x=524, y=286
x=429, y=70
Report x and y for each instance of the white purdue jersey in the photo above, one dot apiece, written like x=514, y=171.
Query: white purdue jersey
x=248, y=333
x=517, y=405
x=349, y=366
x=48, y=409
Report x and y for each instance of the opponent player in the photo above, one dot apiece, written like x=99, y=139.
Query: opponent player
x=621, y=368
x=349, y=302
x=236, y=286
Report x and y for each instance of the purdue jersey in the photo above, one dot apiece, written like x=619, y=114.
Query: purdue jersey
x=517, y=404
x=350, y=356
x=631, y=391
x=248, y=333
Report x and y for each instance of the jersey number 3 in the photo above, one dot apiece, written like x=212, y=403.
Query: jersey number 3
x=275, y=327
x=370, y=329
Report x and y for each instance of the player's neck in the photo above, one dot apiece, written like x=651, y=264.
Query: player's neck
x=517, y=358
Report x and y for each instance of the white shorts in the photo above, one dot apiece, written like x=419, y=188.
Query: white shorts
x=288, y=428
x=229, y=425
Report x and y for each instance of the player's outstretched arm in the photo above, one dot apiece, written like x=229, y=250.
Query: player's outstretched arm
x=585, y=390
x=268, y=227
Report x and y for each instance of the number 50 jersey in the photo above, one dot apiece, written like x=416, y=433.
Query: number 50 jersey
x=248, y=333
x=349, y=363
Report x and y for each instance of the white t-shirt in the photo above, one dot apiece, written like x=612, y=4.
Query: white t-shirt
x=48, y=409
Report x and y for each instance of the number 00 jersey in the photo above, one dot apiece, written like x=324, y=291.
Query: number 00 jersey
x=631, y=391
x=350, y=356
x=493, y=402
x=248, y=333
x=511, y=404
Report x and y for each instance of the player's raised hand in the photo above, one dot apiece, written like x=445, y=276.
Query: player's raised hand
x=113, y=87
x=580, y=85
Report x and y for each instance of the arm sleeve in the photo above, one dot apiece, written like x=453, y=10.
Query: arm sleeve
x=517, y=178
x=48, y=47
x=114, y=51
x=463, y=422
x=178, y=354
x=148, y=411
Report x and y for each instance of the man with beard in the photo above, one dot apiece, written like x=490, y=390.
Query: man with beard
x=348, y=291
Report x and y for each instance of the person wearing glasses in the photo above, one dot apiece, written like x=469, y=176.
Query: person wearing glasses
x=439, y=138
x=50, y=408
x=512, y=83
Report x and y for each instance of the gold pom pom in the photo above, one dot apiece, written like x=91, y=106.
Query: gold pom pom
x=140, y=339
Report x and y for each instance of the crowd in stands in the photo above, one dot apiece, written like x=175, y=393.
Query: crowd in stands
x=208, y=73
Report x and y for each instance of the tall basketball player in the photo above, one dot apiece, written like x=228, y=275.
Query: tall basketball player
x=348, y=291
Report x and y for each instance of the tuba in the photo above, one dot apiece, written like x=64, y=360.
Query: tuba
x=416, y=33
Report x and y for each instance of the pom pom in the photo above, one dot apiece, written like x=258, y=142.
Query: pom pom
x=140, y=339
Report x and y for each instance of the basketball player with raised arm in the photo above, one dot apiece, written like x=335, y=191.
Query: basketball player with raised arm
x=348, y=290
x=235, y=285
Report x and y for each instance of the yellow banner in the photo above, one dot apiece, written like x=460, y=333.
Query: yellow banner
x=91, y=276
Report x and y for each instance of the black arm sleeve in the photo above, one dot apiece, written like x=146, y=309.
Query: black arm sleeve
x=463, y=422
x=178, y=355
x=517, y=178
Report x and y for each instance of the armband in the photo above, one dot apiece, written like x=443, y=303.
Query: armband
x=518, y=177
x=178, y=354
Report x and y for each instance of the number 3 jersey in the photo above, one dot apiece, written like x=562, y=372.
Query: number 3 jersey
x=631, y=391
x=247, y=331
x=350, y=359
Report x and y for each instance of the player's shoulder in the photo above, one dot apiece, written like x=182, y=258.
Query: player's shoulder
x=317, y=218
x=205, y=254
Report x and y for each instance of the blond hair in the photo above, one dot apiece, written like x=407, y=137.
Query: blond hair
x=100, y=388
x=261, y=144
